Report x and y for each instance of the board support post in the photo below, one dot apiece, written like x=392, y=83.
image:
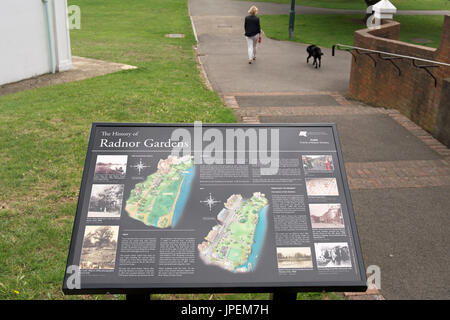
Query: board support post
x=138, y=297
x=279, y=296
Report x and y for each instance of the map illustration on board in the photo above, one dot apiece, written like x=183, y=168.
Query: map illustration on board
x=235, y=243
x=159, y=200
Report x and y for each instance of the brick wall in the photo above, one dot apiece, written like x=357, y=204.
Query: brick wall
x=413, y=92
x=442, y=125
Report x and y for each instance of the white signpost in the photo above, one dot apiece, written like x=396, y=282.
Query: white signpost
x=383, y=9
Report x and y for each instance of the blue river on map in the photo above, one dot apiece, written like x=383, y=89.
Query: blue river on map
x=260, y=235
x=184, y=195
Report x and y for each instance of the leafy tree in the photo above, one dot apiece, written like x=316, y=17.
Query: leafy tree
x=87, y=243
x=102, y=237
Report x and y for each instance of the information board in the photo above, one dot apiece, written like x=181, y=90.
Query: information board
x=213, y=208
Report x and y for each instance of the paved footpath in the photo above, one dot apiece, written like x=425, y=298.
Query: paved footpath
x=399, y=175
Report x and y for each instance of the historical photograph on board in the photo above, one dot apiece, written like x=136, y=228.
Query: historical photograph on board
x=322, y=187
x=99, y=247
x=105, y=201
x=333, y=255
x=110, y=167
x=321, y=163
x=326, y=215
x=294, y=258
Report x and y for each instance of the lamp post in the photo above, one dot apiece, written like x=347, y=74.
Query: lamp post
x=291, y=19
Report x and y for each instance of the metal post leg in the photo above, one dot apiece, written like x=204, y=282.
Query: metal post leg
x=283, y=297
x=138, y=297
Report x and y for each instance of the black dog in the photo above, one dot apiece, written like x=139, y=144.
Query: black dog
x=315, y=52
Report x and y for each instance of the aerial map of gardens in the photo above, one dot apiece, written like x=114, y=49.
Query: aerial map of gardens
x=234, y=244
x=158, y=201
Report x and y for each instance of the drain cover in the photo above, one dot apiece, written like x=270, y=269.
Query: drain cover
x=421, y=40
x=175, y=35
x=286, y=101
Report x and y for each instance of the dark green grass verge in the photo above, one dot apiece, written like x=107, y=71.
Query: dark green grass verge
x=326, y=30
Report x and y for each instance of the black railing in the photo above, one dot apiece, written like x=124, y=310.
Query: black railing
x=391, y=57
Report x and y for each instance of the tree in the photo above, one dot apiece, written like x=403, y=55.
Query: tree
x=102, y=237
x=87, y=243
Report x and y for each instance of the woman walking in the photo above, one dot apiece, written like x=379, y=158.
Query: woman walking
x=252, y=32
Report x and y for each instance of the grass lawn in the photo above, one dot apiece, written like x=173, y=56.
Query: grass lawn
x=361, y=5
x=44, y=132
x=326, y=30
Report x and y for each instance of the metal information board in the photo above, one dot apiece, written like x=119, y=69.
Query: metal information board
x=214, y=208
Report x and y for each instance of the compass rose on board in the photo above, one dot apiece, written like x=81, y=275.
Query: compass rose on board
x=210, y=202
x=140, y=166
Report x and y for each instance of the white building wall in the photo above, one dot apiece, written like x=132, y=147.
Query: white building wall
x=24, y=42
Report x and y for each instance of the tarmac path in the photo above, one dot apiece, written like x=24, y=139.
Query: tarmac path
x=399, y=176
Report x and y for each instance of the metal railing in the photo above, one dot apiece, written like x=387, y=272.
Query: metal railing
x=391, y=57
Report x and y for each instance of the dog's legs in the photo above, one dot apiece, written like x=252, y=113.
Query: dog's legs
x=307, y=59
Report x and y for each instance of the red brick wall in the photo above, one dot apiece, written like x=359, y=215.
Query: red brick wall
x=413, y=92
x=442, y=125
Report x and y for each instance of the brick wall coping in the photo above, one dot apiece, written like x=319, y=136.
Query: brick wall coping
x=388, y=34
x=392, y=54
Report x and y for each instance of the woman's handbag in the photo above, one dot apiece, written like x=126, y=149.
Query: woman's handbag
x=259, y=40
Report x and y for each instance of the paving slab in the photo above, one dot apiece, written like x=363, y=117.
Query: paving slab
x=373, y=137
x=405, y=232
x=286, y=100
x=83, y=68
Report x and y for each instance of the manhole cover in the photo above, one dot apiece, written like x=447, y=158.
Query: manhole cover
x=286, y=101
x=421, y=40
x=175, y=35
